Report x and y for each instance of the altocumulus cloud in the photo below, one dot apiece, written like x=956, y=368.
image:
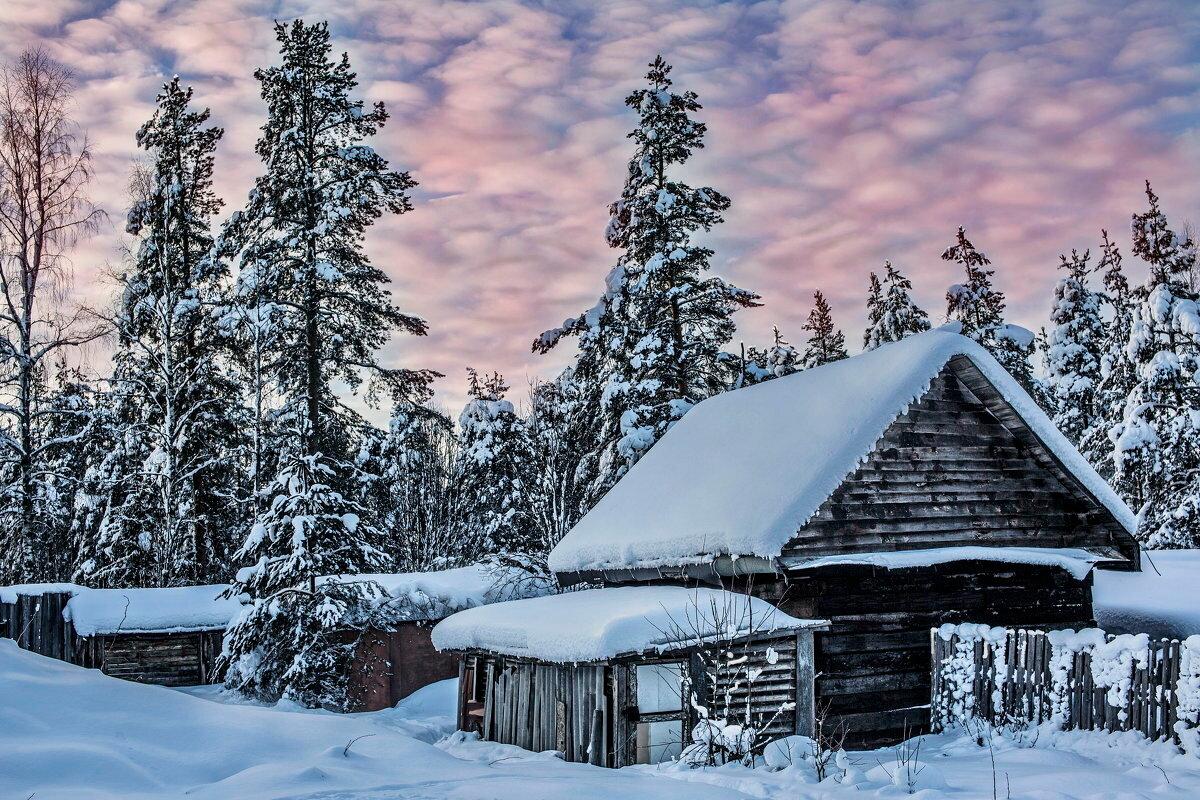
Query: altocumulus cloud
x=845, y=132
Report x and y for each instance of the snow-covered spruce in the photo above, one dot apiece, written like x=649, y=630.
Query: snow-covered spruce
x=315, y=302
x=1074, y=349
x=171, y=484
x=291, y=640
x=980, y=308
x=1157, y=453
x=652, y=344
x=1116, y=369
x=494, y=465
x=404, y=478
x=891, y=312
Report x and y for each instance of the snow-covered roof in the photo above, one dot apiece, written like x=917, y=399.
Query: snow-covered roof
x=420, y=596
x=170, y=610
x=1075, y=560
x=9, y=594
x=599, y=624
x=744, y=470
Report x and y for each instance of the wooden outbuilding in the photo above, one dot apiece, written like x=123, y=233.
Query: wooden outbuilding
x=622, y=675
x=890, y=492
x=169, y=637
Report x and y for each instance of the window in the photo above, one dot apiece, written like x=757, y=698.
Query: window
x=661, y=711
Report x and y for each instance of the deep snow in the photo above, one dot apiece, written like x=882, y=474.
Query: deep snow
x=1161, y=600
x=66, y=732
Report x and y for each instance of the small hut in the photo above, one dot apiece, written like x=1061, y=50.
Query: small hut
x=396, y=657
x=164, y=636
x=622, y=676
x=888, y=493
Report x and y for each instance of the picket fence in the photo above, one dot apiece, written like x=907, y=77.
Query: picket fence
x=1085, y=680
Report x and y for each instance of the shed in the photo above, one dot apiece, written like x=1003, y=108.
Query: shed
x=165, y=636
x=618, y=676
x=890, y=492
x=395, y=659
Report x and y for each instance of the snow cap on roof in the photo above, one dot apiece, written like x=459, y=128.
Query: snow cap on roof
x=9, y=594
x=423, y=596
x=599, y=624
x=171, y=610
x=744, y=470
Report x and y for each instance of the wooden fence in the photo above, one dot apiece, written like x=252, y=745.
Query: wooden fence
x=1085, y=681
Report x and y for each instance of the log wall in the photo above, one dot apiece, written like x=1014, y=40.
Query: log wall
x=169, y=659
x=873, y=666
x=959, y=467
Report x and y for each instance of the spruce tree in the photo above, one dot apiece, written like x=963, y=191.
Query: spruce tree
x=559, y=430
x=404, y=480
x=181, y=409
x=656, y=335
x=891, y=312
x=289, y=642
x=826, y=343
x=874, y=309
x=979, y=307
x=494, y=475
x=300, y=244
x=1157, y=443
x=1074, y=349
x=1116, y=369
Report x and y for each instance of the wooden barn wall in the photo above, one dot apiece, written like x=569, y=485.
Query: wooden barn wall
x=777, y=683
x=165, y=659
x=169, y=659
x=390, y=665
x=957, y=468
x=874, y=664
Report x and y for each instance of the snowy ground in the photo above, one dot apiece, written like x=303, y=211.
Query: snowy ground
x=1160, y=600
x=66, y=732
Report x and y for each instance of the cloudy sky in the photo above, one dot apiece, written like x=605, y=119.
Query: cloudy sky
x=846, y=133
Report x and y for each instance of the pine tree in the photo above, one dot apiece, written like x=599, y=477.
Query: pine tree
x=979, y=307
x=495, y=460
x=825, y=344
x=404, y=477
x=891, y=312
x=180, y=406
x=1116, y=369
x=289, y=641
x=656, y=335
x=320, y=311
x=300, y=241
x=1074, y=349
x=874, y=309
x=1157, y=452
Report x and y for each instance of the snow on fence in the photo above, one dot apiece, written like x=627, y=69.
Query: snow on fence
x=1086, y=680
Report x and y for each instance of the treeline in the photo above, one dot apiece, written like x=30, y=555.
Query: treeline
x=221, y=447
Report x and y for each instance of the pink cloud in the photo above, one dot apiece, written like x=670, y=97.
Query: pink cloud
x=846, y=133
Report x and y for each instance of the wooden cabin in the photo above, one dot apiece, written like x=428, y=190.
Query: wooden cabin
x=397, y=657
x=169, y=637
x=887, y=493
x=618, y=676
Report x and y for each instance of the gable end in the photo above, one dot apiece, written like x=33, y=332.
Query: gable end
x=960, y=467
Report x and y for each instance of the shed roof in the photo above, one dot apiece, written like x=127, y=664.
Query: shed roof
x=160, y=610
x=600, y=624
x=743, y=471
